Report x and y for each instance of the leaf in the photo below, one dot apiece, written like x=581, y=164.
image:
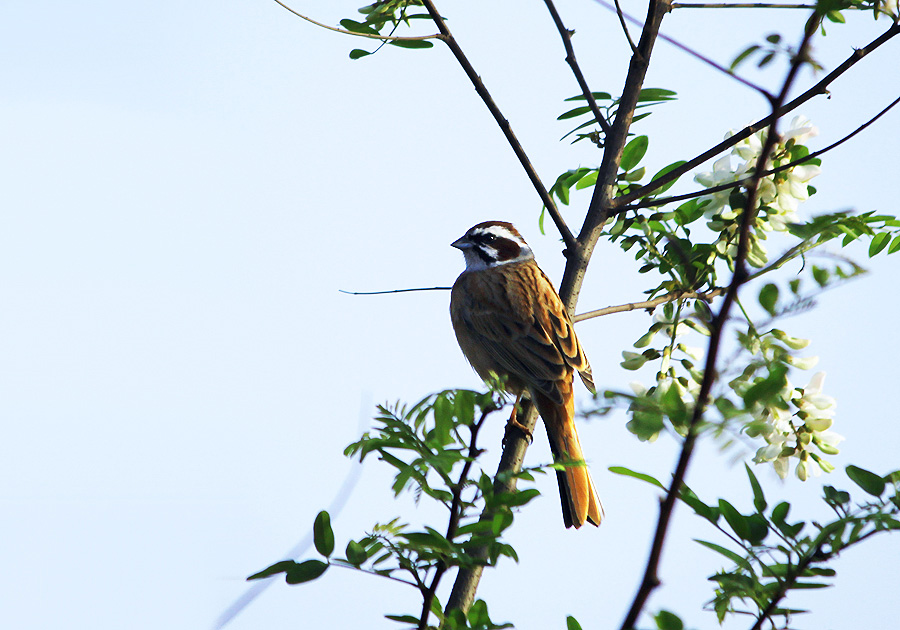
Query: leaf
x=305, y=572
x=411, y=43
x=656, y=94
x=278, y=567
x=574, y=113
x=572, y=623
x=878, y=243
x=323, y=536
x=895, y=245
x=735, y=519
x=666, y=620
x=662, y=172
x=356, y=554
x=633, y=152
x=358, y=27
x=759, y=499
x=621, y=470
x=728, y=553
x=357, y=53
x=403, y=619
x=742, y=56
x=868, y=481
x=768, y=297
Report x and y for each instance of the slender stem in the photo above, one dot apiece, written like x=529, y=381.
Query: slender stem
x=572, y=245
x=739, y=5
x=746, y=132
x=621, y=14
x=387, y=38
x=455, y=515
x=566, y=36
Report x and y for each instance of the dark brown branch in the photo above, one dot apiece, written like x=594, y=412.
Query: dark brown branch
x=817, y=89
x=648, y=203
x=566, y=36
x=605, y=188
x=621, y=14
x=572, y=245
x=686, y=49
x=651, y=578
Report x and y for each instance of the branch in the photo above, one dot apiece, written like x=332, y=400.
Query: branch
x=566, y=36
x=455, y=515
x=387, y=38
x=651, y=578
x=739, y=5
x=687, y=49
x=663, y=299
x=394, y=291
x=621, y=14
x=572, y=246
x=605, y=188
x=817, y=89
x=647, y=203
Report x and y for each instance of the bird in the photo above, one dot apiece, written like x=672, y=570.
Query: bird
x=511, y=323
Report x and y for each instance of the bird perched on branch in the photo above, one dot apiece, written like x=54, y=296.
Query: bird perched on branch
x=510, y=321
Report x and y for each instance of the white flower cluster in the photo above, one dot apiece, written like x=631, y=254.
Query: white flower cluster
x=778, y=196
x=793, y=429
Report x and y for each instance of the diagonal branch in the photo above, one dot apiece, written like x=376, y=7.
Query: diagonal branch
x=817, y=89
x=572, y=245
x=566, y=36
x=648, y=203
x=651, y=578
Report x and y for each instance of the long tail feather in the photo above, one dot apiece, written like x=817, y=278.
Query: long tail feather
x=577, y=493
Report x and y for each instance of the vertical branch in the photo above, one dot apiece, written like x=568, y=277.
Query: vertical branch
x=651, y=578
x=605, y=189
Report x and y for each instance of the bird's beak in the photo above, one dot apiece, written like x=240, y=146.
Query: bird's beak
x=461, y=243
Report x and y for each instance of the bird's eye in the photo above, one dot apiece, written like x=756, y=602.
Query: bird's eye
x=490, y=238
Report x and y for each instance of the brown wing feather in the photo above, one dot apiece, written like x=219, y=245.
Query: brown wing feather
x=534, y=340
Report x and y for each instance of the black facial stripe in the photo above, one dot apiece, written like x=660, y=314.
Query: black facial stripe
x=492, y=248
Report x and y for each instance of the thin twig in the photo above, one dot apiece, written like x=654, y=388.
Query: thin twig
x=739, y=5
x=663, y=299
x=687, y=49
x=387, y=38
x=621, y=15
x=651, y=579
x=746, y=132
x=455, y=515
x=395, y=291
x=566, y=36
x=572, y=246
x=648, y=203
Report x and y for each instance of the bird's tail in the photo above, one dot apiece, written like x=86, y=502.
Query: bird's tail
x=577, y=494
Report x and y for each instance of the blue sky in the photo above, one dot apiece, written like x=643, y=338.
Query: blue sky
x=186, y=187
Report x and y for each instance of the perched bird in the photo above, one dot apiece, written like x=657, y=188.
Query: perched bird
x=510, y=321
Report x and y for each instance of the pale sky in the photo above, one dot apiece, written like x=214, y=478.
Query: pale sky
x=187, y=185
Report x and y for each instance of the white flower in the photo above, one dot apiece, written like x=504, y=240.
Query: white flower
x=801, y=129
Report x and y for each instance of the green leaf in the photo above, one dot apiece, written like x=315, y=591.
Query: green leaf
x=656, y=94
x=621, y=470
x=278, y=567
x=735, y=519
x=356, y=554
x=357, y=53
x=768, y=298
x=868, y=481
x=572, y=623
x=633, y=153
x=666, y=620
x=574, y=113
x=895, y=245
x=742, y=56
x=411, y=43
x=728, y=553
x=358, y=27
x=878, y=243
x=662, y=172
x=305, y=572
x=759, y=499
x=323, y=536
x=403, y=619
